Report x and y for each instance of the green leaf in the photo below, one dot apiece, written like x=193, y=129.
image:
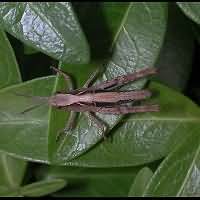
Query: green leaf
x=140, y=182
x=179, y=175
x=50, y=27
x=91, y=182
x=173, y=64
x=136, y=45
x=9, y=72
x=145, y=137
x=191, y=10
x=11, y=172
x=109, y=16
x=25, y=135
x=9, y=193
x=138, y=39
x=42, y=188
x=137, y=140
x=114, y=13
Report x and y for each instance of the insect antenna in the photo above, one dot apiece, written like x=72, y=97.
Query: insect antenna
x=36, y=98
x=41, y=100
x=31, y=108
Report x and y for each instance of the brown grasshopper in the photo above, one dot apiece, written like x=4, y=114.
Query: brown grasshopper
x=100, y=98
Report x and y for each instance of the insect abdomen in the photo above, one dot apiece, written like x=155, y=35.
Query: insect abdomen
x=110, y=97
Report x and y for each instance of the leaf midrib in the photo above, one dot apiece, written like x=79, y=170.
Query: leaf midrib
x=121, y=25
x=189, y=172
x=23, y=121
x=165, y=119
x=6, y=169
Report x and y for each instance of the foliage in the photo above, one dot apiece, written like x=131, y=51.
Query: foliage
x=149, y=154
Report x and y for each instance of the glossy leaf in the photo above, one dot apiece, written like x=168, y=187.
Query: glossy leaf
x=143, y=138
x=25, y=135
x=133, y=32
x=179, y=174
x=109, y=16
x=191, y=10
x=117, y=152
x=42, y=188
x=50, y=27
x=114, y=13
x=11, y=172
x=176, y=56
x=136, y=44
x=9, y=72
x=135, y=141
x=91, y=182
x=140, y=182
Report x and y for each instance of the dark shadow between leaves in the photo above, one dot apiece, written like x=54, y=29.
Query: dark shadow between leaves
x=192, y=89
x=95, y=27
x=73, y=187
x=31, y=66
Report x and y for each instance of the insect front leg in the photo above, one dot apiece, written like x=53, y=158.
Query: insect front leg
x=91, y=78
x=89, y=81
x=66, y=77
x=99, y=123
x=69, y=126
x=70, y=122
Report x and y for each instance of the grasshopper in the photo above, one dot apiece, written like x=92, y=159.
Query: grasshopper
x=101, y=97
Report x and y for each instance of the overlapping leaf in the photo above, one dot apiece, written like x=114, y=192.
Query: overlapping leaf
x=25, y=134
x=142, y=134
x=174, y=67
x=47, y=26
x=136, y=140
x=179, y=174
x=9, y=72
x=12, y=172
x=140, y=182
x=90, y=182
x=12, y=169
x=146, y=137
x=136, y=45
x=42, y=188
x=191, y=9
